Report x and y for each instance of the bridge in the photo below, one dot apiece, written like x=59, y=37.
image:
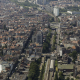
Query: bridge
x=47, y=54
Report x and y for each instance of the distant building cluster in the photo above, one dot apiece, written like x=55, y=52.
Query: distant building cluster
x=22, y=33
x=21, y=0
x=73, y=12
x=38, y=2
x=52, y=9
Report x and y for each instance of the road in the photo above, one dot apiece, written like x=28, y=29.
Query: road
x=42, y=63
x=51, y=77
x=46, y=74
x=48, y=13
x=51, y=42
x=57, y=40
x=58, y=32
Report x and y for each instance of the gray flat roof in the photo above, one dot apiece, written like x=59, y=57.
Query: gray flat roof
x=65, y=66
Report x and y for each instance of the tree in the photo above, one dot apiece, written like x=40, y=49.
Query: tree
x=68, y=78
x=29, y=78
x=46, y=44
x=51, y=19
x=63, y=10
x=55, y=33
x=58, y=20
x=56, y=76
x=33, y=71
x=72, y=79
x=54, y=41
x=56, y=63
x=73, y=55
x=38, y=61
x=53, y=48
x=42, y=72
x=71, y=74
x=61, y=76
x=45, y=47
x=77, y=77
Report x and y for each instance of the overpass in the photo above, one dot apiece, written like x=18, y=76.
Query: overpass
x=46, y=54
x=49, y=54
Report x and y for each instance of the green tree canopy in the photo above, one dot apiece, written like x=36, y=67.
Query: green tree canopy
x=61, y=76
x=72, y=79
x=33, y=71
x=56, y=76
x=68, y=78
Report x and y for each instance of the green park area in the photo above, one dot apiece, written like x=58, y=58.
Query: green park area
x=25, y=4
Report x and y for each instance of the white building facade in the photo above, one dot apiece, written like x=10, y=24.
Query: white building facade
x=56, y=11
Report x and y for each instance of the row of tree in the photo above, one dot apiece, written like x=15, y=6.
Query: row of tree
x=63, y=10
x=51, y=19
x=61, y=76
x=54, y=42
x=24, y=4
x=42, y=72
x=46, y=44
x=73, y=55
x=73, y=8
x=34, y=70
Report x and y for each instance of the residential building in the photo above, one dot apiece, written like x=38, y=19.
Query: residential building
x=38, y=38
